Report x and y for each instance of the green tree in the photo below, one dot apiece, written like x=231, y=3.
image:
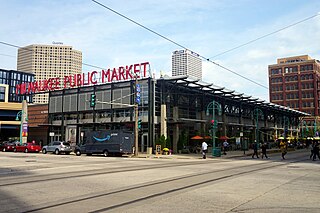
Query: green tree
x=161, y=141
x=168, y=143
x=183, y=139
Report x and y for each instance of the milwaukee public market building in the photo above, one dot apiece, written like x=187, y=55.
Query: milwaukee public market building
x=176, y=107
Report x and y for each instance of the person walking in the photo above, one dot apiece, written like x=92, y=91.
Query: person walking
x=255, y=150
x=264, y=150
x=316, y=151
x=225, y=147
x=283, y=148
x=204, y=149
x=311, y=149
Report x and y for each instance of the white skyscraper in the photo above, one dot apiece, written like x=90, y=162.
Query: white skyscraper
x=186, y=62
x=49, y=61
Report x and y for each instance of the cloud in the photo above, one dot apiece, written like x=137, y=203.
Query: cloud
x=207, y=27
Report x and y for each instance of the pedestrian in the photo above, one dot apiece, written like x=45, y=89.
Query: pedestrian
x=264, y=150
x=255, y=149
x=283, y=148
x=204, y=149
x=225, y=147
x=316, y=151
x=311, y=150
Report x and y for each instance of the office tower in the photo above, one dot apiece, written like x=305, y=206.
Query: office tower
x=49, y=61
x=186, y=62
x=293, y=82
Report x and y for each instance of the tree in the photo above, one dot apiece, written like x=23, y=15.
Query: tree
x=183, y=139
x=161, y=141
x=168, y=143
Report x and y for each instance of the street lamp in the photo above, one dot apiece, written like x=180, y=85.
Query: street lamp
x=256, y=112
x=285, y=118
x=214, y=105
x=20, y=114
x=315, y=128
x=304, y=124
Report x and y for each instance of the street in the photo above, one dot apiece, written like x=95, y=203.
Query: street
x=67, y=183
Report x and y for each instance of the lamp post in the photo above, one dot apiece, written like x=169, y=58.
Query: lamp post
x=285, y=118
x=315, y=128
x=20, y=114
x=214, y=105
x=256, y=113
x=304, y=123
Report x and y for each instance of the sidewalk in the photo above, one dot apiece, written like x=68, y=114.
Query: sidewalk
x=230, y=154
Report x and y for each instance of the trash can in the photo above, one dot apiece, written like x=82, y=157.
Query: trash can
x=216, y=152
x=149, y=150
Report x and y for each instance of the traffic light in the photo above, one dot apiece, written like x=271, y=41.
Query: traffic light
x=139, y=124
x=93, y=100
x=214, y=124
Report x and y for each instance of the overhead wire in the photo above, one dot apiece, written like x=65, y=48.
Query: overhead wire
x=176, y=43
x=204, y=58
x=269, y=34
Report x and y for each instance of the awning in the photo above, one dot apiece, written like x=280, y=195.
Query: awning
x=197, y=137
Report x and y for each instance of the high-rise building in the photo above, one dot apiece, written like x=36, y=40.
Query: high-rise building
x=49, y=61
x=8, y=80
x=186, y=62
x=294, y=82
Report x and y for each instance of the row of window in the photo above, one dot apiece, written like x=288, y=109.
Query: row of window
x=292, y=96
x=292, y=69
x=277, y=97
x=292, y=78
x=296, y=104
x=290, y=87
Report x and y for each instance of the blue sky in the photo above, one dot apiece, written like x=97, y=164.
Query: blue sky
x=207, y=27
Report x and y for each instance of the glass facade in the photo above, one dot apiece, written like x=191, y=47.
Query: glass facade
x=12, y=78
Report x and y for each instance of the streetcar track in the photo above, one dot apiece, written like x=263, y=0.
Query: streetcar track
x=95, y=172
x=163, y=182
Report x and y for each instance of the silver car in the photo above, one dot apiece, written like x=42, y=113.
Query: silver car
x=57, y=147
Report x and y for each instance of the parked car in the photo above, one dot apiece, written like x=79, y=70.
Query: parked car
x=8, y=146
x=28, y=147
x=57, y=147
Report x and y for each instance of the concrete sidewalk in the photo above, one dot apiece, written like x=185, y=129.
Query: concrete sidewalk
x=230, y=154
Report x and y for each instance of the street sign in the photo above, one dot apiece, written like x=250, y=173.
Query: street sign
x=138, y=88
x=51, y=134
x=138, y=100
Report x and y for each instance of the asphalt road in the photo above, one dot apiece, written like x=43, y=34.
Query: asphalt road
x=67, y=183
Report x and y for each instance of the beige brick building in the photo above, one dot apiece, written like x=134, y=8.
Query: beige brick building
x=49, y=61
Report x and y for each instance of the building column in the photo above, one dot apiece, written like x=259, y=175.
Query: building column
x=176, y=129
x=175, y=138
x=163, y=121
x=224, y=124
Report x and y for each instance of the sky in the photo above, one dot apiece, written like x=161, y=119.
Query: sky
x=207, y=27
